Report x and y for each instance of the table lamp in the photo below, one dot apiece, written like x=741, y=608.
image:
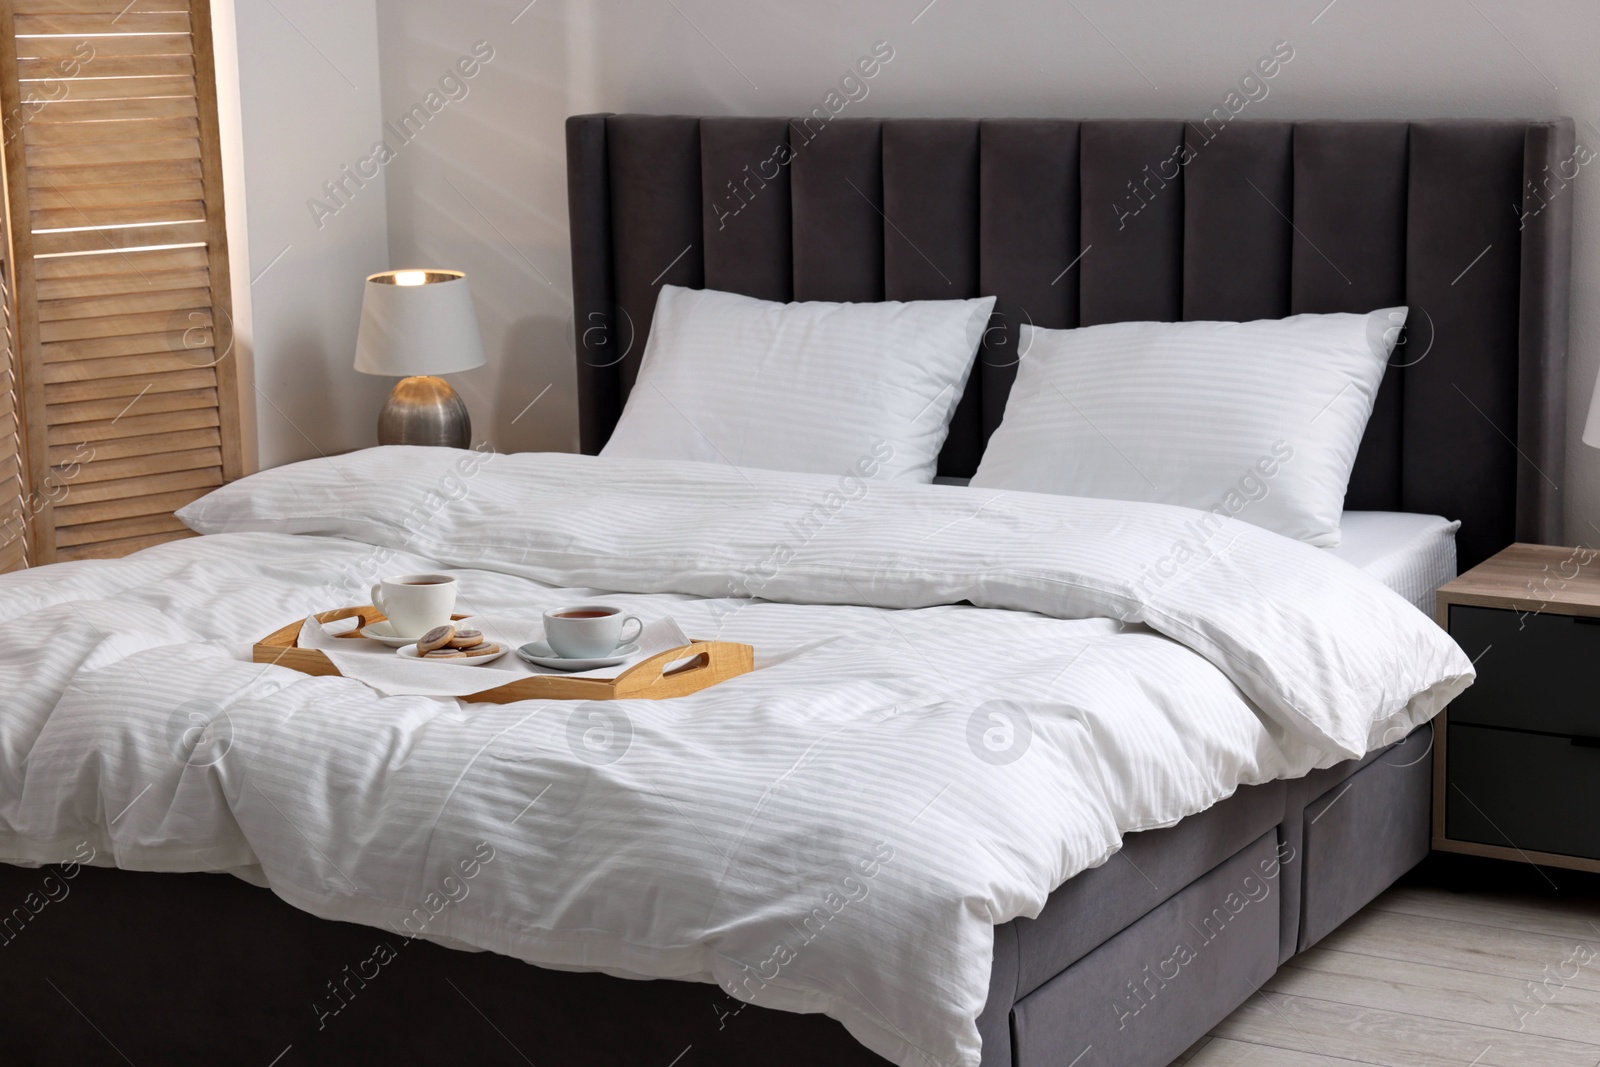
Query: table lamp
x=417, y=324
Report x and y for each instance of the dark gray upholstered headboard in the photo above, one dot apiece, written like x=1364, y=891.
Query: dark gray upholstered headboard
x=1075, y=223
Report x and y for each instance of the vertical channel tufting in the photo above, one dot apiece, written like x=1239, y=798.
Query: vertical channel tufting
x=1132, y=222
x=594, y=323
x=836, y=197
x=1027, y=239
x=1237, y=195
x=1385, y=213
x=655, y=219
x=930, y=243
x=930, y=199
x=744, y=178
x=1350, y=255
x=1462, y=280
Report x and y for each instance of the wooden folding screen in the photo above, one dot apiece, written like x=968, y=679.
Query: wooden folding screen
x=15, y=516
x=129, y=396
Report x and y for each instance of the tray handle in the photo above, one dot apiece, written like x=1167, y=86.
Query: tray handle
x=364, y=617
x=677, y=667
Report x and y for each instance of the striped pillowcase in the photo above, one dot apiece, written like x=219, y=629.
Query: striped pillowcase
x=817, y=388
x=1258, y=421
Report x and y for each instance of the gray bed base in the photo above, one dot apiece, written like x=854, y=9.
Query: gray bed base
x=1161, y=982
x=1127, y=965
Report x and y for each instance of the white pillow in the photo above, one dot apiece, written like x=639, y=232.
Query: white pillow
x=1258, y=421
x=810, y=387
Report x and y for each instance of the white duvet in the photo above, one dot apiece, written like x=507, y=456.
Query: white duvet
x=964, y=697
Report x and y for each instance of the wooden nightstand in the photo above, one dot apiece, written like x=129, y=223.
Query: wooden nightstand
x=1516, y=774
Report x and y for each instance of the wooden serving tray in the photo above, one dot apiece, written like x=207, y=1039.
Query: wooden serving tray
x=708, y=662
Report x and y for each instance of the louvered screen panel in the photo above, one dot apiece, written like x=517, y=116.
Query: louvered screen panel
x=122, y=286
x=14, y=517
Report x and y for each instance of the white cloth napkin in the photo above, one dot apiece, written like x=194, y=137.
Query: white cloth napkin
x=385, y=670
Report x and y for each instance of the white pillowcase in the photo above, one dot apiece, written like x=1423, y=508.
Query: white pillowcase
x=1258, y=421
x=811, y=387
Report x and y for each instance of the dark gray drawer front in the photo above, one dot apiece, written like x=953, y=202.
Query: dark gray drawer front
x=1364, y=833
x=1199, y=964
x=1535, y=672
x=1530, y=791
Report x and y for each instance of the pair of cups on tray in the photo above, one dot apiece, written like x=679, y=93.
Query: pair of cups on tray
x=417, y=603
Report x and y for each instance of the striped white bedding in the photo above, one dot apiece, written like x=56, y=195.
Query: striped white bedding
x=839, y=831
x=1410, y=553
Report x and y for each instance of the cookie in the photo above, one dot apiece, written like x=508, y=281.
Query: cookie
x=466, y=639
x=481, y=650
x=436, y=638
x=443, y=653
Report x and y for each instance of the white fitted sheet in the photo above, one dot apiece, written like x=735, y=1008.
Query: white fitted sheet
x=1412, y=554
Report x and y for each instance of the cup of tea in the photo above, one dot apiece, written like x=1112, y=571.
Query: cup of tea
x=588, y=631
x=415, y=603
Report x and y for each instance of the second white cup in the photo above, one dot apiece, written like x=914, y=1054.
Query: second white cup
x=588, y=631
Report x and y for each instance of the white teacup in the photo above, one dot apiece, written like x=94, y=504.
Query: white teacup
x=415, y=603
x=588, y=631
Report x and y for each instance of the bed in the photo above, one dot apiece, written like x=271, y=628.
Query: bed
x=124, y=964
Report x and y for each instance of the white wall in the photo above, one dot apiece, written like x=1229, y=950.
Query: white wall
x=482, y=188
x=309, y=104
x=504, y=219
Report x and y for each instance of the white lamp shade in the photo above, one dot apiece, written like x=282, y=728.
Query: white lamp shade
x=418, y=322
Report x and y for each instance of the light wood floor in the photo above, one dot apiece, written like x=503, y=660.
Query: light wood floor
x=1428, y=978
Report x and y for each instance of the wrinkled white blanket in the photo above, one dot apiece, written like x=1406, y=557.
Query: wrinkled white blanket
x=838, y=831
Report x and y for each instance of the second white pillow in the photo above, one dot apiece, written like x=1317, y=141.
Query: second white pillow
x=811, y=387
x=1258, y=421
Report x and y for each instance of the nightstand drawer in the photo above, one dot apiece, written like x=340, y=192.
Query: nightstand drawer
x=1535, y=672
x=1529, y=791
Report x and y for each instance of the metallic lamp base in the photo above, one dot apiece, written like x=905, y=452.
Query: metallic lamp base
x=424, y=410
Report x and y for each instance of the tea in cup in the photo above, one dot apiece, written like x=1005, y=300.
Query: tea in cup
x=588, y=631
x=415, y=603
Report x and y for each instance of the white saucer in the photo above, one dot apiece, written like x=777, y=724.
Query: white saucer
x=383, y=633
x=541, y=654
x=410, y=652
